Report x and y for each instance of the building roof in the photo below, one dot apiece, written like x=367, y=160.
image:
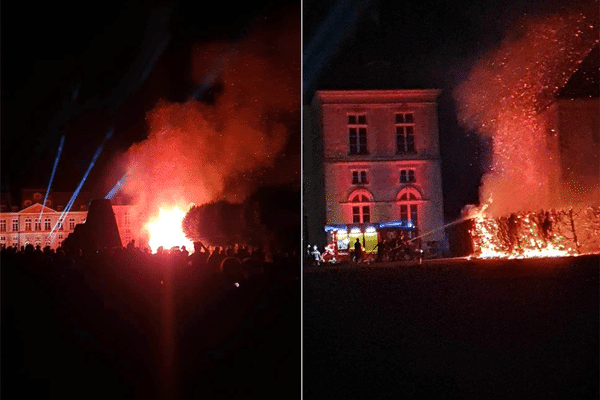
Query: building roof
x=377, y=96
x=585, y=82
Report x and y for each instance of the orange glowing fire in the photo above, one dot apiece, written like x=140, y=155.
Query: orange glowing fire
x=560, y=233
x=166, y=230
x=488, y=243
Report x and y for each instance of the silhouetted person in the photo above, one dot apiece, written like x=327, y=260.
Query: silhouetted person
x=214, y=261
x=357, y=250
x=380, y=250
x=184, y=253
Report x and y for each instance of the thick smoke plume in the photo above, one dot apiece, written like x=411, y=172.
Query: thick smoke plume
x=502, y=98
x=195, y=150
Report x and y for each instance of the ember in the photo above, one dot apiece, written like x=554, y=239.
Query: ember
x=504, y=98
x=556, y=233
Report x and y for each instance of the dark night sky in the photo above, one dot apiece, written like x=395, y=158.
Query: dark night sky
x=101, y=53
x=425, y=44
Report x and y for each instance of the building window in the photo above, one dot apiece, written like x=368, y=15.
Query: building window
x=71, y=223
x=361, y=213
x=359, y=177
x=15, y=225
x=405, y=135
x=60, y=224
x=28, y=224
x=127, y=221
x=409, y=212
x=3, y=238
x=47, y=224
x=38, y=225
x=3, y=225
x=357, y=130
x=407, y=176
x=408, y=199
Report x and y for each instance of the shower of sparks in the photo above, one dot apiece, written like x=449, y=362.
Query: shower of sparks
x=503, y=97
x=569, y=232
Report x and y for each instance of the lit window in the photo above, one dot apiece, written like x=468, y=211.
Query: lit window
x=357, y=130
x=47, y=224
x=38, y=225
x=27, y=224
x=60, y=224
x=405, y=136
x=359, y=177
x=361, y=213
x=407, y=176
x=3, y=225
x=409, y=209
x=71, y=223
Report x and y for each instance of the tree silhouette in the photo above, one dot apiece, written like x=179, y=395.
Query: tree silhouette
x=218, y=223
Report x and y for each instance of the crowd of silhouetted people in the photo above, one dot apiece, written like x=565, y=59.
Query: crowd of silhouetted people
x=219, y=321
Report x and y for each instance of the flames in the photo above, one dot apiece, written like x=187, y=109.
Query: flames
x=556, y=233
x=165, y=230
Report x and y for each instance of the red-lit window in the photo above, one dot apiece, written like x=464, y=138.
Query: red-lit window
x=409, y=209
x=3, y=225
x=407, y=176
x=47, y=224
x=357, y=133
x=405, y=133
x=359, y=177
x=361, y=213
x=15, y=225
x=38, y=225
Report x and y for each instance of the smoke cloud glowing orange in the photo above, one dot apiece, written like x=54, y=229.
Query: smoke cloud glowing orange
x=502, y=98
x=197, y=152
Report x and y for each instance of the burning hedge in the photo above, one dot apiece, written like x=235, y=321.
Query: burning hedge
x=546, y=233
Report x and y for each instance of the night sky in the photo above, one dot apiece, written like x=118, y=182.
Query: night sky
x=424, y=44
x=80, y=71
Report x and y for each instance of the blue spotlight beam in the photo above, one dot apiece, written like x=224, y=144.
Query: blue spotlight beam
x=60, y=147
x=116, y=188
x=337, y=26
x=76, y=193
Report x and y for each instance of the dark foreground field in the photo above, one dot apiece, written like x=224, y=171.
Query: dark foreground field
x=131, y=326
x=456, y=329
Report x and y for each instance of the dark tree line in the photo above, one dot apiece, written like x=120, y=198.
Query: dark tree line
x=270, y=218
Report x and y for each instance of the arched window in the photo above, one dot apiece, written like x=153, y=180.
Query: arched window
x=361, y=206
x=409, y=199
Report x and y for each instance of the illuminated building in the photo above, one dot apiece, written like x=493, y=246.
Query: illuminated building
x=573, y=142
x=381, y=161
x=20, y=222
